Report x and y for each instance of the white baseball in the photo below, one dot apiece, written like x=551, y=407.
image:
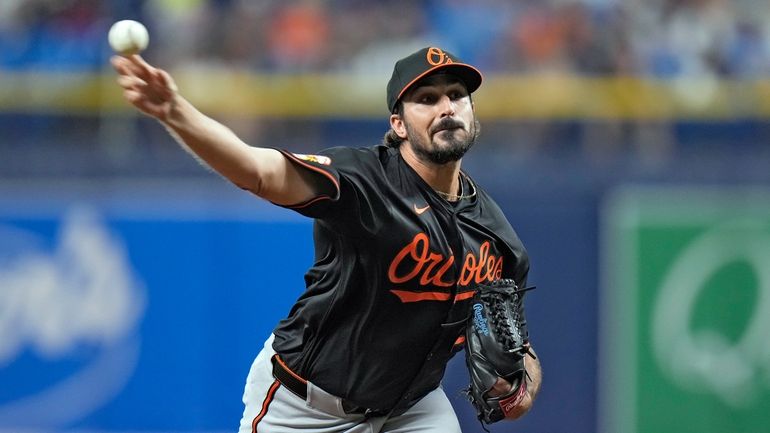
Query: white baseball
x=128, y=37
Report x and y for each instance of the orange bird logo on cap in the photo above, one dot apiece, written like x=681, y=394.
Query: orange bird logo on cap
x=436, y=56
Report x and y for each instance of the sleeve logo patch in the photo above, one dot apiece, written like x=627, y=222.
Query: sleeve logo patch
x=318, y=159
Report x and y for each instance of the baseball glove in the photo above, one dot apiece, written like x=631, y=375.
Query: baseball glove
x=497, y=343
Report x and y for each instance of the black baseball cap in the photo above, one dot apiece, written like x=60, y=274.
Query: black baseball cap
x=424, y=62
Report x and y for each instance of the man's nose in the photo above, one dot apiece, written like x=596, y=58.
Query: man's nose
x=447, y=106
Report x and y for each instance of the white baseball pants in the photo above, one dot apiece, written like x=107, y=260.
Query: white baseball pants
x=271, y=408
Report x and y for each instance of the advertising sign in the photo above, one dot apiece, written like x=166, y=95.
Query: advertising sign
x=138, y=306
x=685, y=326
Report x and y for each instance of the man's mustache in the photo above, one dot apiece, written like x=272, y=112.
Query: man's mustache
x=447, y=123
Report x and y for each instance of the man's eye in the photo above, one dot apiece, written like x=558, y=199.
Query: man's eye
x=427, y=99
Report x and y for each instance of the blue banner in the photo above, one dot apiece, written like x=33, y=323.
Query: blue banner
x=123, y=310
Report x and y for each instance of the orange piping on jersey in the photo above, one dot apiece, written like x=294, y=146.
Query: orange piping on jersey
x=406, y=296
x=464, y=295
x=285, y=367
x=309, y=202
x=316, y=169
x=460, y=340
x=265, y=405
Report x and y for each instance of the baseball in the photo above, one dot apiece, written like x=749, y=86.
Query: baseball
x=128, y=37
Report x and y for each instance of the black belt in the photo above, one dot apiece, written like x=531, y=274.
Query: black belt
x=298, y=385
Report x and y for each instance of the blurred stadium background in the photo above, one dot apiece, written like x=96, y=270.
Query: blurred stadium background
x=627, y=141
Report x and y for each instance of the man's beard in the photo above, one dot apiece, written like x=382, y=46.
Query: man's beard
x=455, y=146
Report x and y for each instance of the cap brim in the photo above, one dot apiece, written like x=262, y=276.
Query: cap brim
x=471, y=76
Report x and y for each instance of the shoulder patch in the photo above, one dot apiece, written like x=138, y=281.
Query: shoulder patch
x=318, y=159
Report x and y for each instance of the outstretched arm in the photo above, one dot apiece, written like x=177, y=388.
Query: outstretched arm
x=265, y=172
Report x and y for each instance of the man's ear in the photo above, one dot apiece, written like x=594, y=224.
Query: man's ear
x=397, y=123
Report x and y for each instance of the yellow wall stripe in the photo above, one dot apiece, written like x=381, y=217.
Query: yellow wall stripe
x=500, y=97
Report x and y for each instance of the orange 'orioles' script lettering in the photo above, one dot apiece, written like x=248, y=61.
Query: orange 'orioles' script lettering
x=416, y=260
x=424, y=263
x=485, y=267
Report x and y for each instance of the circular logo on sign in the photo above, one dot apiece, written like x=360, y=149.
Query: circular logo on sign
x=69, y=308
x=705, y=359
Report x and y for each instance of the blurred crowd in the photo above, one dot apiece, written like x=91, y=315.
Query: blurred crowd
x=709, y=40
x=657, y=38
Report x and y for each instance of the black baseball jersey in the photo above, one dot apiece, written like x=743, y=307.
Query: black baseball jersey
x=395, y=269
